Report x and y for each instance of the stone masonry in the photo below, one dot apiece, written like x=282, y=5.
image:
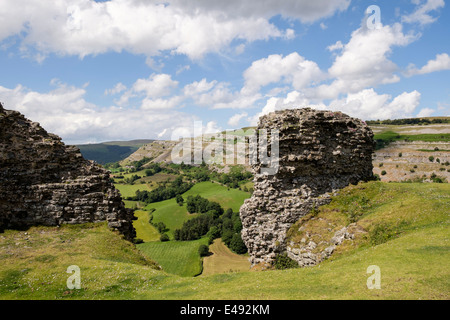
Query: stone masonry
x=319, y=152
x=45, y=182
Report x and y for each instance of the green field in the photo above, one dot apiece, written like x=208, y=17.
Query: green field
x=226, y=197
x=413, y=258
x=144, y=230
x=388, y=136
x=173, y=215
x=169, y=212
x=176, y=257
x=128, y=190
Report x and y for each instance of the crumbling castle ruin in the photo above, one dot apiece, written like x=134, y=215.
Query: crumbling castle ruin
x=45, y=182
x=319, y=152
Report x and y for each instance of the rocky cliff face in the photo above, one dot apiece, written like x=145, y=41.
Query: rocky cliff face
x=319, y=152
x=45, y=182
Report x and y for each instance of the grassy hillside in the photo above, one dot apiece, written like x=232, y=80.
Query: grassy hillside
x=223, y=260
x=176, y=257
x=144, y=230
x=413, y=257
x=112, y=151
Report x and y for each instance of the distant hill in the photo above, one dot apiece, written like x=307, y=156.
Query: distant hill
x=111, y=151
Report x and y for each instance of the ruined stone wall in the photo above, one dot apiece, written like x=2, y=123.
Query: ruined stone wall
x=45, y=182
x=319, y=152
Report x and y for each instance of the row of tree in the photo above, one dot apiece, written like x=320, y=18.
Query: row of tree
x=163, y=192
x=409, y=121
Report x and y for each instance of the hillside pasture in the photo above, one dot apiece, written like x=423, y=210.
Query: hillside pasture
x=176, y=257
x=223, y=260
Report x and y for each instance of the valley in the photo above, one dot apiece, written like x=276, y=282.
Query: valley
x=404, y=157
x=400, y=222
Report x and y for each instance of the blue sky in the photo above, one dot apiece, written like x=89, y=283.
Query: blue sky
x=128, y=69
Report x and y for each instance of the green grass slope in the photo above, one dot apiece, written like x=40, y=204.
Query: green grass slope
x=176, y=257
x=413, y=258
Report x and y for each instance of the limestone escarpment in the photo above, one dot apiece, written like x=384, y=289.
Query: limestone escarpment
x=45, y=182
x=319, y=152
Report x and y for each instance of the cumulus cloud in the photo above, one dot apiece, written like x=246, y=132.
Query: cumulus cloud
x=425, y=112
x=442, y=62
x=293, y=69
x=65, y=112
x=157, y=85
x=87, y=27
x=235, y=119
x=154, y=89
x=304, y=10
x=365, y=104
x=422, y=13
x=363, y=61
x=118, y=88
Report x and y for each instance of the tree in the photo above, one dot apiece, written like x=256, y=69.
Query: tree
x=227, y=236
x=164, y=237
x=228, y=213
x=161, y=226
x=203, y=250
x=179, y=199
x=214, y=233
x=216, y=208
x=237, y=245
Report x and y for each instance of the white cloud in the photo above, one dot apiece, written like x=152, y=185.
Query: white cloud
x=421, y=15
x=425, y=112
x=337, y=46
x=218, y=95
x=293, y=69
x=182, y=69
x=157, y=85
x=366, y=104
x=235, y=119
x=161, y=104
x=118, y=88
x=153, y=89
x=304, y=10
x=293, y=100
x=87, y=27
x=442, y=62
x=65, y=112
x=363, y=61
x=197, y=87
